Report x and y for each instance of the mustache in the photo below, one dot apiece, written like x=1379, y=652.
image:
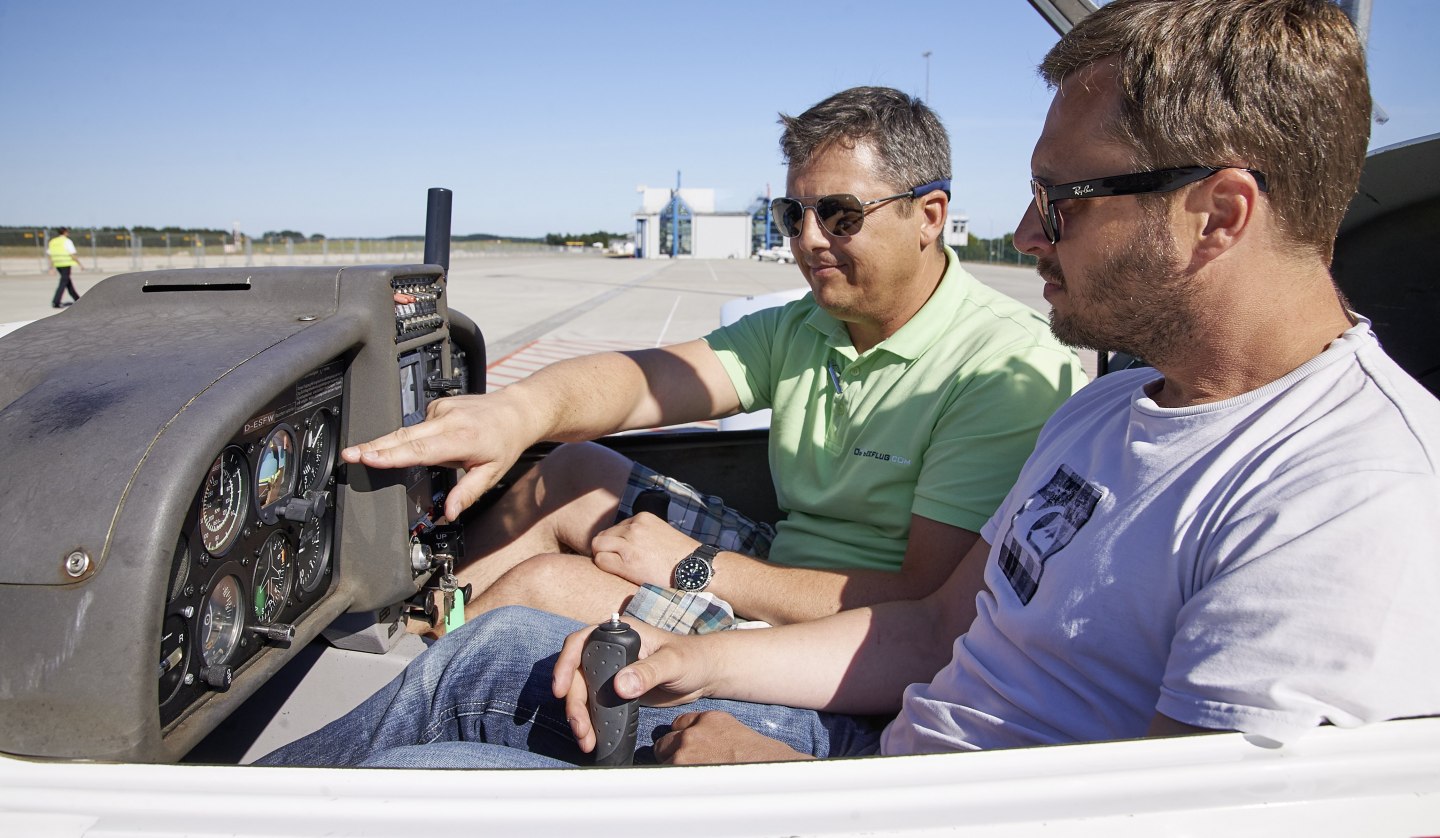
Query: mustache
x=1049, y=270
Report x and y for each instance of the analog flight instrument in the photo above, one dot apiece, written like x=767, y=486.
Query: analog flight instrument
x=318, y=458
x=221, y=622
x=222, y=509
x=274, y=576
x=275, y=470
x=313, y=555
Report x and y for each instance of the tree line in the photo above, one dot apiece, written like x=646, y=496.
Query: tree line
x=11, y=236
x=1000, y=249
x=599, y=237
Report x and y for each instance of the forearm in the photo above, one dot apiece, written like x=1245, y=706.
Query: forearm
x=580, y=399
x=780, y=595
x=857, y=661
x=588, y=397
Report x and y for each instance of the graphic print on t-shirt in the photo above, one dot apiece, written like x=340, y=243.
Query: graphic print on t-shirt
x=1046, y=523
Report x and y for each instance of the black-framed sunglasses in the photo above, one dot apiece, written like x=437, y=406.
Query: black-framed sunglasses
x=1139, y=183
x=839, y=215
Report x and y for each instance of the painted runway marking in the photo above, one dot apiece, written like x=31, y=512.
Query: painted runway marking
x=665, y=328
x=540, y=353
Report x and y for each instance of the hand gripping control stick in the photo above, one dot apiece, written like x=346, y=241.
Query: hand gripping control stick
x=610, y=648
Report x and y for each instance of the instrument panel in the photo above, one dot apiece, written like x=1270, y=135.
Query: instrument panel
x=255, y=552
x=192, y=422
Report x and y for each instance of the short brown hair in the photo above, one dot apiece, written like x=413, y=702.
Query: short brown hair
x=909, y=141
x=1274, y=85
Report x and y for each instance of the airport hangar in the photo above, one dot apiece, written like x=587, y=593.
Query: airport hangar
x=683, y=223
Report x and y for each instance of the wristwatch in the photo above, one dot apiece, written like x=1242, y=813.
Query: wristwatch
x=694, y=572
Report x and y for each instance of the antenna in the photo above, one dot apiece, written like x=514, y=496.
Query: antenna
x=437, y=227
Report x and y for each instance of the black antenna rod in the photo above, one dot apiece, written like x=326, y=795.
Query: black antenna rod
x=437, y=227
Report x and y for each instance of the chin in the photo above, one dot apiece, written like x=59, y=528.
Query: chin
x=831, y=295
x=1070, y=333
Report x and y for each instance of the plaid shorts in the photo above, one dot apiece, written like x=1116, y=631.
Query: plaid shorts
x=704, y=518
x=708, y=520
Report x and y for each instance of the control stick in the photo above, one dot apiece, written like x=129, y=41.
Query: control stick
x=611, y=647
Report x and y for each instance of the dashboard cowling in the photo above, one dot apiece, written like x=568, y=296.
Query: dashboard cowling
x=113, y=412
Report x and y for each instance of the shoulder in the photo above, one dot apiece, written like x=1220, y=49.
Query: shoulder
x=1363, y=410
x=773, y=330
x=974, y=330
x=1414, y=410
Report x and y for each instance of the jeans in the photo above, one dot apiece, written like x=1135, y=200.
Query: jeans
x=480, y=698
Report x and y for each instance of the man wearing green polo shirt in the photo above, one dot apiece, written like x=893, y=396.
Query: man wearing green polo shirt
x=905, y=397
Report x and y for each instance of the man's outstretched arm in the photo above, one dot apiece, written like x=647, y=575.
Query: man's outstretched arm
x=572, y=400
x=857, y=661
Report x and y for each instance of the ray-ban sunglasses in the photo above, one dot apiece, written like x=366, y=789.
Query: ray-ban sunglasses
x=839, y=215
x=1139, y=183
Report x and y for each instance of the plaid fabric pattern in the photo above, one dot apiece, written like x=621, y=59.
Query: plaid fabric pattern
x=708, y=520
x=680, y=612
x=1044, y=525
x=1022, y=571
x=704, y=518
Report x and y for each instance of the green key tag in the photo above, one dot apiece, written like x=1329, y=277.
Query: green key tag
x=456, y=618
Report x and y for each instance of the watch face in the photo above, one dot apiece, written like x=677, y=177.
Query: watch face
x=692, y=574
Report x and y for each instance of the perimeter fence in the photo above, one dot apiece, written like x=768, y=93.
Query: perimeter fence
x=114, y=252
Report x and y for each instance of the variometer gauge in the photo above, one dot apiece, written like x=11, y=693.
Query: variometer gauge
x=222, y=506
x=318, y=457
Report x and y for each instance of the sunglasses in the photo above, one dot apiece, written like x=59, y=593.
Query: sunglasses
x=1139, y=183
x=838, y=215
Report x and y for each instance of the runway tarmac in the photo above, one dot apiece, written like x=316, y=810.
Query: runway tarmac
x=536, y=309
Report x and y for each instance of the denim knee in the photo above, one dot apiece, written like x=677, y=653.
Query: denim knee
x=500, y=647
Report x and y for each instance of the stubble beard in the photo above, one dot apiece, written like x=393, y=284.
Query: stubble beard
x=1136, y=301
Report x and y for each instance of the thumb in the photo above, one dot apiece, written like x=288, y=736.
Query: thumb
x=631, y=684
x=468, y=489
x=644, y=675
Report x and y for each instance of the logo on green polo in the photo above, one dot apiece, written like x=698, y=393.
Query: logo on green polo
x=882, y=456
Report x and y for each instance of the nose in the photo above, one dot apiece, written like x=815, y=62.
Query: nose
x=811, y=236
x=1029, y=237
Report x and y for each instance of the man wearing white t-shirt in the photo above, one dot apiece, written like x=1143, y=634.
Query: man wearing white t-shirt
x=1241, y=538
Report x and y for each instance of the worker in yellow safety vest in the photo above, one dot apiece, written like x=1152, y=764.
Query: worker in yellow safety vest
x=62, y=259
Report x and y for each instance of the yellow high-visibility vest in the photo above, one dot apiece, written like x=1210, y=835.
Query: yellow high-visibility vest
x=60, y=254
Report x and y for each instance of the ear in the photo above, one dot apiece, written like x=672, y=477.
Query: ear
x=1222, y=211
x=934, y=212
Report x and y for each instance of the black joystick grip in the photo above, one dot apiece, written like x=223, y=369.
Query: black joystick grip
x=611, y=647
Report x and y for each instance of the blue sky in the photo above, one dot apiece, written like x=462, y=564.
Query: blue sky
x=334, y=117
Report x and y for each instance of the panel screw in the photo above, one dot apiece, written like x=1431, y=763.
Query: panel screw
x=76, y=564
x=306, y=318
